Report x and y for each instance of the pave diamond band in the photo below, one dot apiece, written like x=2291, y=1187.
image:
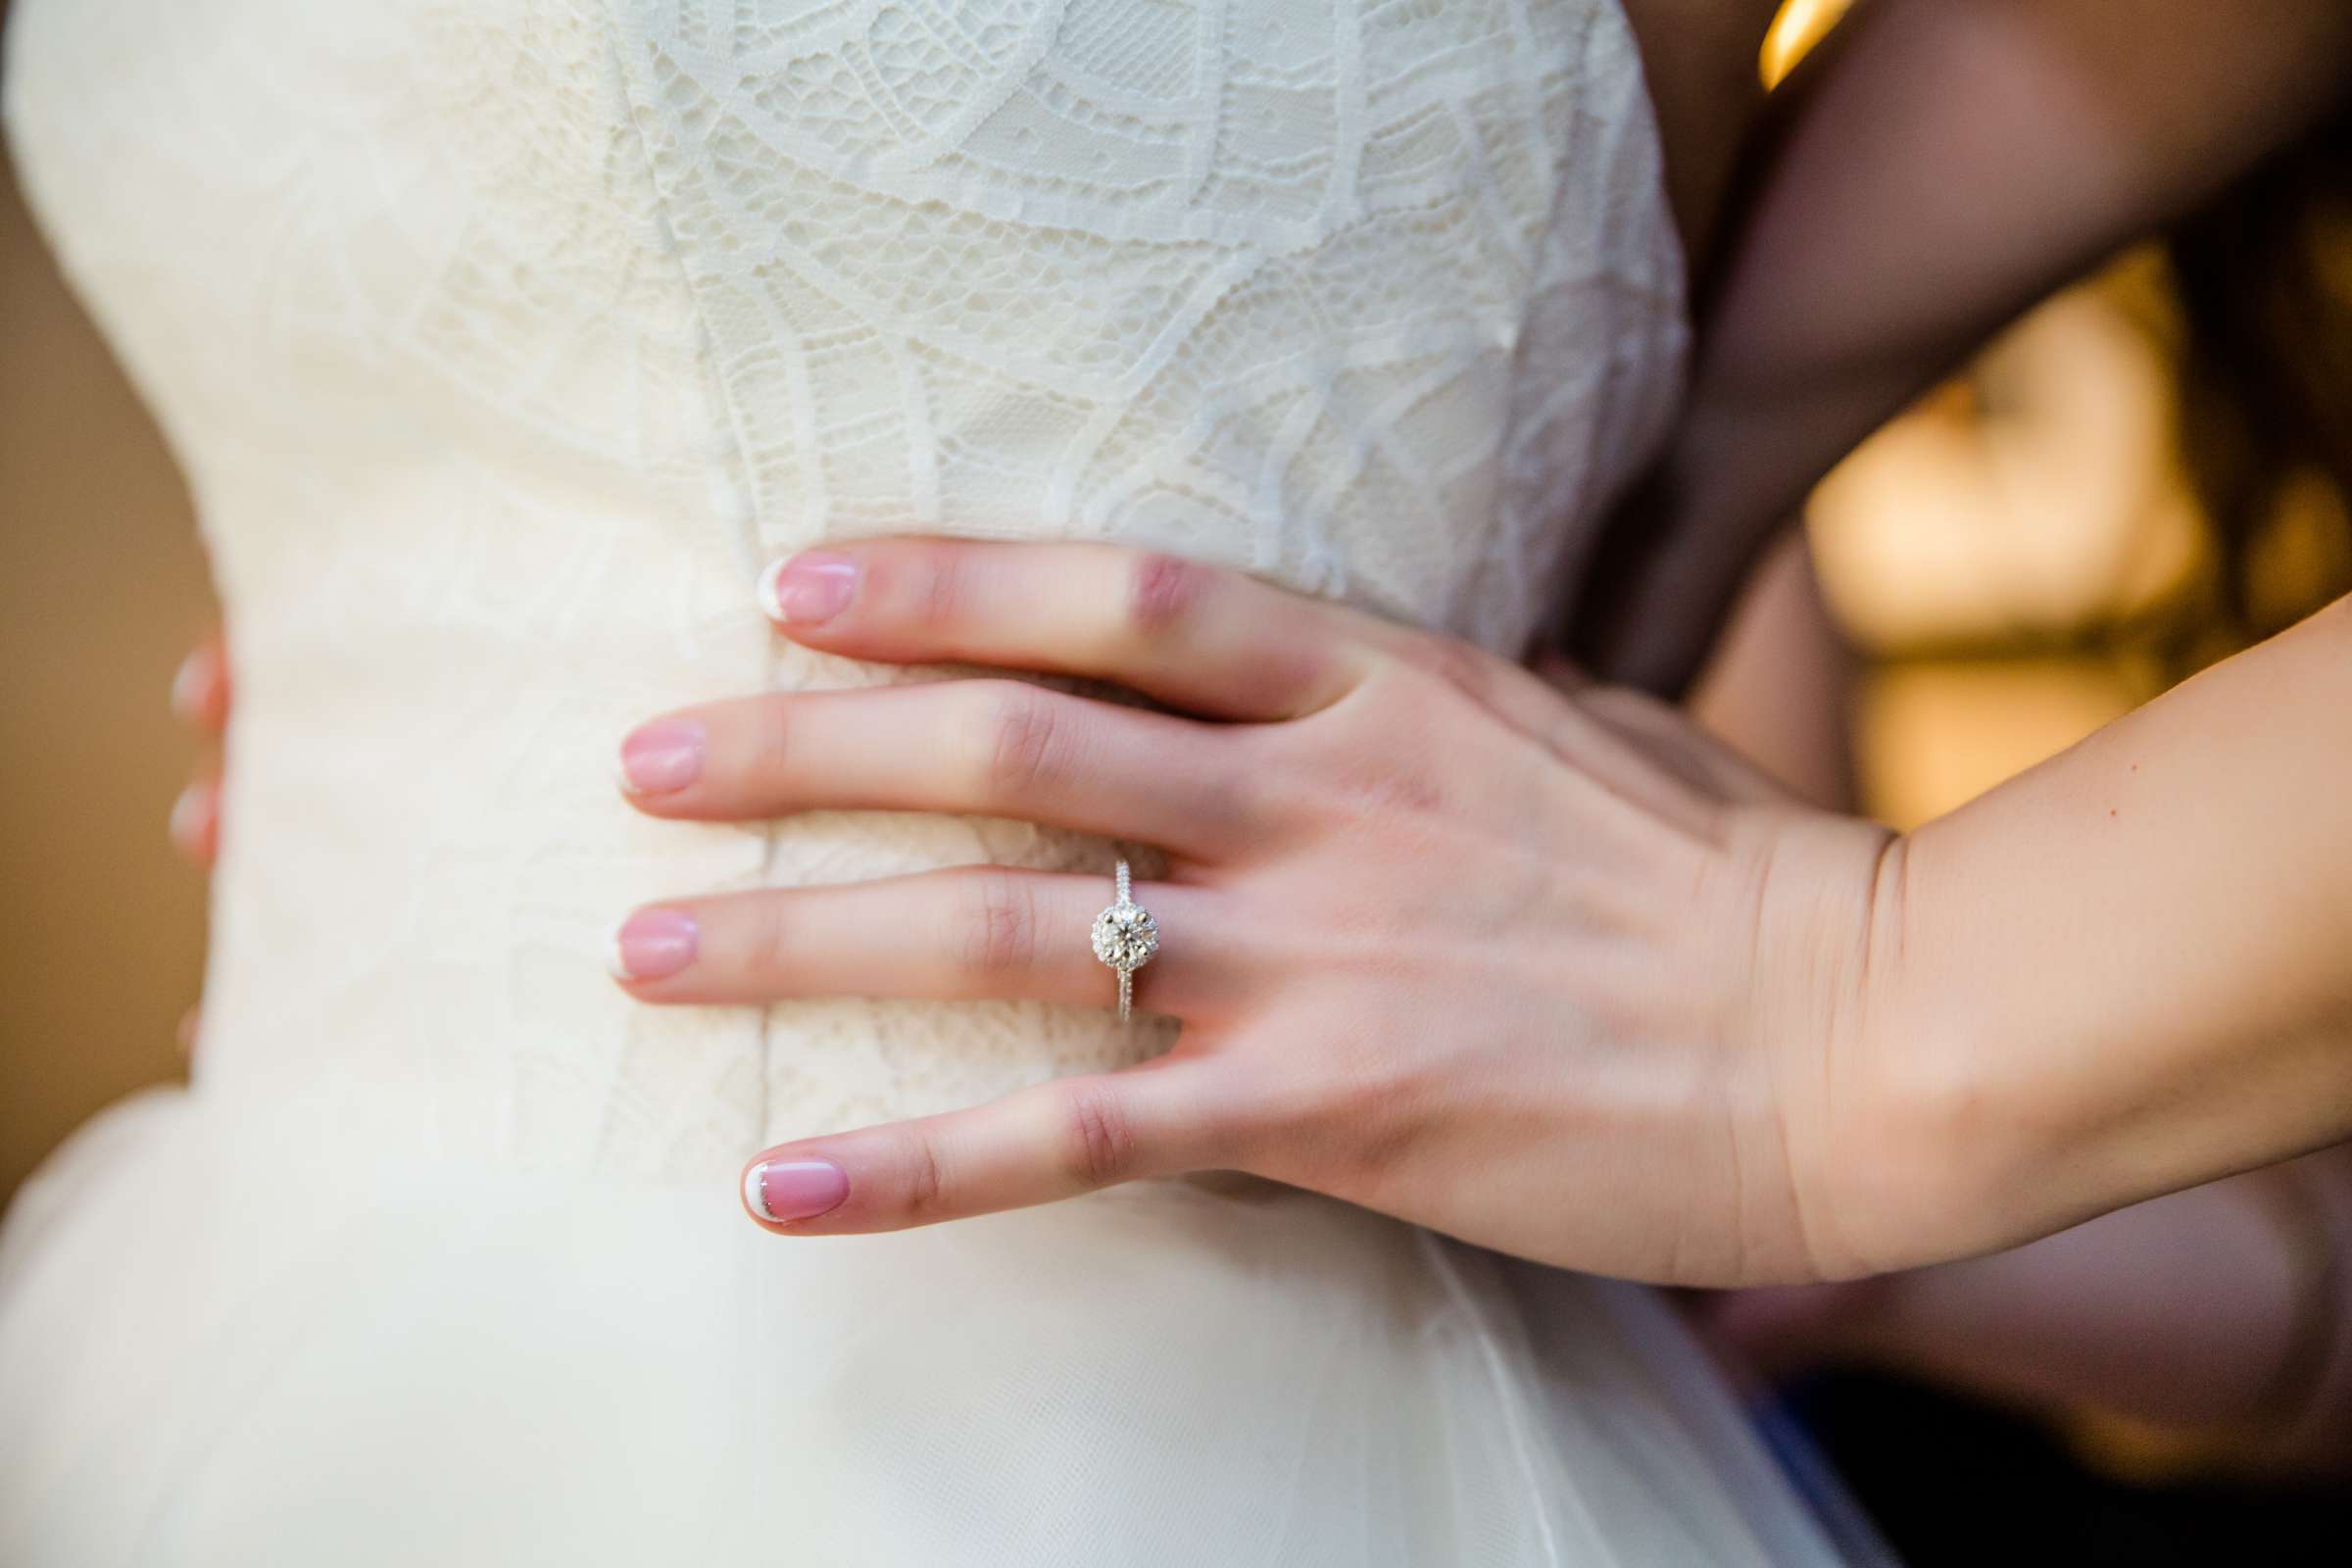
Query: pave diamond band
x=1125, y=935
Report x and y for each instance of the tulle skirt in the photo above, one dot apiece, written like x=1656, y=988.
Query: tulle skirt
x=242, y=1341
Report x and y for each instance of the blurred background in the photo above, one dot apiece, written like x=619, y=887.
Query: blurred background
x=102, y=591
x=2016, y=561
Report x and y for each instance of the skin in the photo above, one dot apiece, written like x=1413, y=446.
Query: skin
x=1930, y=172
x=200, y=701
x=2105, y=1318
x=1698, y=59
x=1449, y=940
x=1660, y=1019
x=2055, y=131
x=1998, y=1087
x=1907, y=1053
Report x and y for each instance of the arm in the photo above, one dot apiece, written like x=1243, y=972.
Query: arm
x=1938, y=168
x=1779, y=686
x=1945, y=164
x=2239, y=1365
x=2130, y=969
x=1537, y=967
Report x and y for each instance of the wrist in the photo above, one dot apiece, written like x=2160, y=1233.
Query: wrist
x=1997, y=1097
x=1859, y=1119
x=2116, y=975
x=1921, y=1138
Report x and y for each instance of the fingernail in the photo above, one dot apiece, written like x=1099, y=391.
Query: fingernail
x=795, y=1189
x=653, y=945
x=808, y=589
x=189, y=684
x=662, y=756
x=191, y=815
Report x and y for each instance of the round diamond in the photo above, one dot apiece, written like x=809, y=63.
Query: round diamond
x=1125, y=935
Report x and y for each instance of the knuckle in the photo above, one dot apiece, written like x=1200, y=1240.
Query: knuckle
x=1397, y=791
x=1623, y=705
x=771, y=738
x=1099, y=1140
x=1164, y=591
x=1365, y=1123
x=772, y=940
x=1454, y=663
x=925, y=1195
x=1259, y=1121
x=940, y=586
x=1257, y=777
x=1572, y=730
x=1629, y=717
x=1028, y=744
x=1357, y=769
x=1311, y=1124
x=1000, y=935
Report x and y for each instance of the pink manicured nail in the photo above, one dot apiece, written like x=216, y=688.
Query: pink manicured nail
x=795, y=1189
x=189, y=683
x=193, y=815
x=653, y=945
x=662, y=756
x=808, y=589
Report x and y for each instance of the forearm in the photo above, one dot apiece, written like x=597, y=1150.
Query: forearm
x=1780, y=684
x=2130, y=969
x=2242, y=1363
x=1940, y=167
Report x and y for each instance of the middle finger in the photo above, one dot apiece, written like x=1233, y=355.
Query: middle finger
x=994, y=748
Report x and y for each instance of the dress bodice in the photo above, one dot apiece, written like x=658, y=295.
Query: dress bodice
x=503, y=341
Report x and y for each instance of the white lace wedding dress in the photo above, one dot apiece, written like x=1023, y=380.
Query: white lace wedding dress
x=503, y=341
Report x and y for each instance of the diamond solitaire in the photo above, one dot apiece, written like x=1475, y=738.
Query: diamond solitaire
x=1125, y=935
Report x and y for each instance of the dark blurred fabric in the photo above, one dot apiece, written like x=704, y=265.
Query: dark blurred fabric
x=1957, y=1485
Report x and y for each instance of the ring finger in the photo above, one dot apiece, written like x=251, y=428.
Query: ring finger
x=958, y=935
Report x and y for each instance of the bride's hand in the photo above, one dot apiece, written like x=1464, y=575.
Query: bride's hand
x=1534, y=965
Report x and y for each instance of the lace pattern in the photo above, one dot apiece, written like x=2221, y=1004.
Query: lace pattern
x=504, y=342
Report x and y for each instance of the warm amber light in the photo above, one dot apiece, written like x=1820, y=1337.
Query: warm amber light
x=1796, y=30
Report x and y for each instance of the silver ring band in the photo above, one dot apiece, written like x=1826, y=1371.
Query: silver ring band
x=1125, y=937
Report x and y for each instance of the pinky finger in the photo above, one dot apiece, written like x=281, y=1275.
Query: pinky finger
x=1040, y=1145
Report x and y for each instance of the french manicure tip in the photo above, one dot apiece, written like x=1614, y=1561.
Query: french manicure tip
x=771, y=599
x=615, y=964
x=755, y=1192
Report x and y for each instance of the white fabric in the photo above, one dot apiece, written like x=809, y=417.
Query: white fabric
x=502, y=342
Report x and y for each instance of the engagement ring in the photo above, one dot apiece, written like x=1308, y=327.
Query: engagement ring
x=1125, y=938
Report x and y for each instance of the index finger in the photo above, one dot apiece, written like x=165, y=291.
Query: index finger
x=1201, y=638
